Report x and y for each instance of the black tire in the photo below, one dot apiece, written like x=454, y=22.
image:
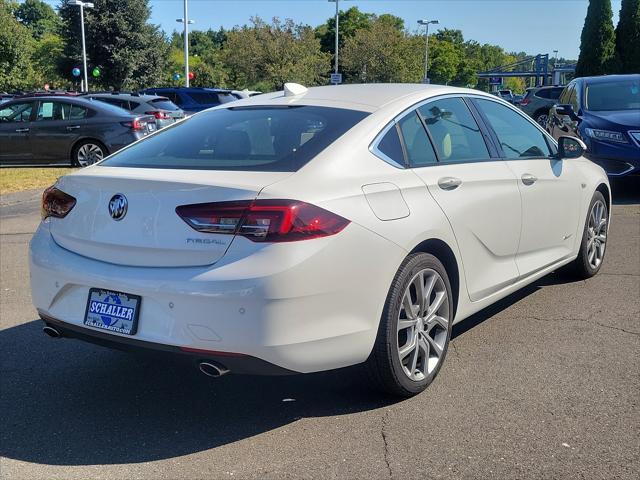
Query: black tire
x=76, y=162
x=538, y=117
x=384, y=364
x=581, y=267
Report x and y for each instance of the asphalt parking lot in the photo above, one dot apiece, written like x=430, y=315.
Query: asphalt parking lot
x=545, y=384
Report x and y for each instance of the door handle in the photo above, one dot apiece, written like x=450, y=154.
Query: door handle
x=449, y=183
x=529, y=179
x=22, y=130
x=73, y=127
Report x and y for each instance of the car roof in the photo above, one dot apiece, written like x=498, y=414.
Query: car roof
x=128, y=96
x=188, y=89
x=365, y=96
x=608, y=78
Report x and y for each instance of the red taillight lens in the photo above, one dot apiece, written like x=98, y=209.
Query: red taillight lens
x=56, y=203
x=159, y=114
x=525, y=102
x=135, y=124
x=263, y=220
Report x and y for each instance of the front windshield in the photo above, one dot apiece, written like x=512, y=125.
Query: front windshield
x=614, y=95
x=280, y=139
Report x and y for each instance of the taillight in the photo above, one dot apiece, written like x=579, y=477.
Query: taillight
x=159, y=114
x=135, y=124
x=263, y=220
x=525, y=102
x=56, y=203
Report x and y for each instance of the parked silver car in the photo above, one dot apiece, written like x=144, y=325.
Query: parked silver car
x=538, y=101
x=165, y=111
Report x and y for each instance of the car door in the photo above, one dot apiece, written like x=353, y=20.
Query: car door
x=560, y=123
x=477, y=191
x=57, y=126
x=15, y=124
x=550, y=188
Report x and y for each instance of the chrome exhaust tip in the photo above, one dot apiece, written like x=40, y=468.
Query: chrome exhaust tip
x=52, y=332
x=213, y=370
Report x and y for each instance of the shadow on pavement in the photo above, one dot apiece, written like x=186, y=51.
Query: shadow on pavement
x=626, y=190
x=65, y=402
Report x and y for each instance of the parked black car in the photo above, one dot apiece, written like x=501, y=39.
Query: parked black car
x=57, y=129
x=605, y=113
x=538, y=101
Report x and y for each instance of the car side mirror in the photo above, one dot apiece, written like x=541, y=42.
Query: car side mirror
x=565, y=109
x=570, y=147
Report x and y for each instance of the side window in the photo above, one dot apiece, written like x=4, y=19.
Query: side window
x=455, y=133
x=564, y=96
x=544, y=93
x=416, y=142
x=555, y=93
x=77, y=112
x=518, y=137
x=573, y=98
x=391, y=147
x=16, y=112
x=175, y=98
x=49, y=110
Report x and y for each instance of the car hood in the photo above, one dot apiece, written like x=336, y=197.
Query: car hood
x=613, y=119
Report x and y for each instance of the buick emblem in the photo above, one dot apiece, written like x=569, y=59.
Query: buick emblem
x=118, y=206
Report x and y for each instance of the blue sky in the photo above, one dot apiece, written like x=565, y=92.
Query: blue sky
x=533, y=26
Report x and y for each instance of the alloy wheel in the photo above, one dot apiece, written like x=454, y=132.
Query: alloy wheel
x=88, y=154
x=423, y=323
x=596, y=234
x=542, y=119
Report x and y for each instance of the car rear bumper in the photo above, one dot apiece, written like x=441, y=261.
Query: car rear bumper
x=236, y=363
x=315, y=307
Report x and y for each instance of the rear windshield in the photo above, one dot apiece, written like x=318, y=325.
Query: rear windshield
x=273, y=139
x=614, y=95
x=211, y=98
x=164, y=104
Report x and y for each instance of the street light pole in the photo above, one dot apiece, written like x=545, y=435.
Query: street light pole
x=83, y=5
x=186, y=23
x=426, y=23
x=337, y=2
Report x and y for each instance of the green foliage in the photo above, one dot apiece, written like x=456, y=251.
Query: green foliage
x=597, y=40
x=39, y=17
x=628, y=37
x=16, y=43
x=350, y=21
x=265, y=56
x=130, y=52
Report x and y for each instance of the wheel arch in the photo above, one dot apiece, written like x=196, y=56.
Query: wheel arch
x=606, y=193
x=443, y=252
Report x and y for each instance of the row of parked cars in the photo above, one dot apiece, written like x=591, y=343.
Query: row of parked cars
x=603, y=111
x=56, y=127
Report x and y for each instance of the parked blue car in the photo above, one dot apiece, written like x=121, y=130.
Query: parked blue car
x=605, y=113
x=193, y=99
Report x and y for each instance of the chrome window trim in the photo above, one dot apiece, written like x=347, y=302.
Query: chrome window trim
x=373, y=147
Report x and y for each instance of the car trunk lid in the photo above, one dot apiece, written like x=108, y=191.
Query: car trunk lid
x=150, y=233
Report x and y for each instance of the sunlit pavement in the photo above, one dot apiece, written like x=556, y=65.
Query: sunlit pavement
x=543, y=385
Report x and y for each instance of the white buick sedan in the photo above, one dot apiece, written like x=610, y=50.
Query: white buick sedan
x=313, y=229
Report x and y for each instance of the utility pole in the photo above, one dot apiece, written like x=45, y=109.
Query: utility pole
x=186, y=23
x=426, y=23
x=83, y=5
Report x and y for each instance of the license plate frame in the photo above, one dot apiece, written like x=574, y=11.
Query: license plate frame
x=117, y=317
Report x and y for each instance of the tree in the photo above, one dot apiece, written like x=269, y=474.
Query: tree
x=265, y=56
x=597, y=41
x=39, y=17
x=16, y=44
x=129, y=51
x=382, y=53
x=628, y=37
x=350, y=20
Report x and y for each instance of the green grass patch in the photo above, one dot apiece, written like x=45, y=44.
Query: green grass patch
x=19, y=179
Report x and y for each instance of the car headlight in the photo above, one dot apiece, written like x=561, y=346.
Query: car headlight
x=606, y=135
